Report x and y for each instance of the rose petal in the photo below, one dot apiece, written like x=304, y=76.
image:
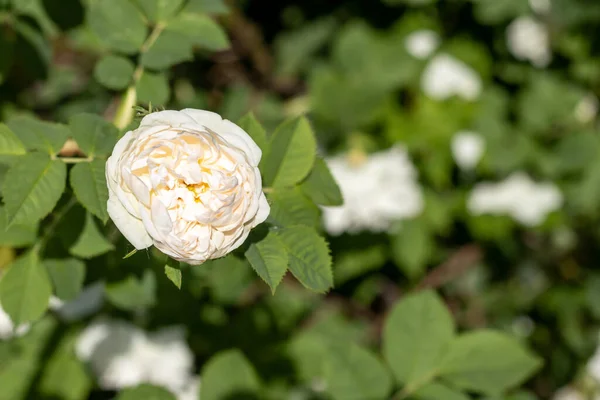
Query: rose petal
x=131, y=227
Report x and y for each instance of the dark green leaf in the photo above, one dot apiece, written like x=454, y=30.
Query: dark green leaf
x=153, y=88
x=229, y=375
x=91, y=242
x=170, y=48
x=309, y=257
x=118, y=24
x=133, y=294
x=39, y=135
x=32, y=187
x=437, y=391
x=412, y=247
x=269, y=259
x=201, y=30
x=321, y=187
x=18, y=235
x=67, y=276
x=160, y=10
x=114, y=72
x=173, y=272
x=145, y=392
x=250, y=124
x=88, y=181
x=206, y=6
x=10, y=143
x=93, y=134
x=25, y=289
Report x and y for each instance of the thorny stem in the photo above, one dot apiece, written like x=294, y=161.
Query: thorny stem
x=125, y=112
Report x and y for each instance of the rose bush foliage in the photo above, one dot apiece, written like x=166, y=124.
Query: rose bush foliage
x=214, y=200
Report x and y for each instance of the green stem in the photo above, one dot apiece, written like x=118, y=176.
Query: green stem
x=125, y=112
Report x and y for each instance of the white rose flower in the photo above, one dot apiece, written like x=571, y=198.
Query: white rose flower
x=446, y=76
x=377, y=191
x=467, y=149
x=518, y=196
x=188, y=182
x=8, y=329
x=421, y=44
x=528, y=39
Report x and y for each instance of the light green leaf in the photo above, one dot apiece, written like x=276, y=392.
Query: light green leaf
x=321, y=187
x=229, y=375
x=201, y=30
x=206, y=6
x=91, y=242
x=25, y=289
x=67, y=276
x=173, y=273
x=250, y=124
x=292, y=207
x=170, y=48
x=309, y=257
x=93, y=134
x=118, y=24
x=65, y=376
x=416, y=337
x=153, y=88
x=32, y=187
x=9, y=142
x=412, y=247
x=352, y=372
x=160, y=10
x=114, y=72
x=437, y=391
x=88, y=181
x=18, y=235
x=39, y=135
x=487, y=362
x=133, y=294
x=269, y=259
x=145, y=392
x=291, y=154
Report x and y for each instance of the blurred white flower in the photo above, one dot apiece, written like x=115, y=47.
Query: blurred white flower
x=529, y=40
x=87, y=303
x=377, y=191
x=122, y=355
x=421, y=44
x=446, y=76
x=593, y=366
x=467, y=149
x=7, y=328
x=518, y=197
x=540, y=6
x=568, y=393
x=587, y=109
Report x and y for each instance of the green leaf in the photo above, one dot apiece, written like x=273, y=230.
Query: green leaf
x=227, y=278
x=487, y=362
x=114, y=72
x=250, y=124
x=206, y=6
x=269, y=259
x=173, y=273
x=67, y=276
x=9, y=142
x=309, y=257
x=352, y=372
x=229, y=375
x=201, y=30
x=64, y=376
x=321, y=186
x=133, y=294
x=118, y=24
x=437, y=391
x=32, y=187
x=18, y=235
x=25, y=289
x=416, y=336
x=91, y=242
x=412, y=248
x=145, y=392
x=292, y=207
x=291, y=154
x=88, y=181
x=160, y=10
x=170, y=48
x=39, y=135
x=7, y=49
x=153, y=88
x=93, y=134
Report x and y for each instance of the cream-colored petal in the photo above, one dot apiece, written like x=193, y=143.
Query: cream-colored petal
x=169, y=118
x=206, y=118
x=263, y=210
x=131, y=227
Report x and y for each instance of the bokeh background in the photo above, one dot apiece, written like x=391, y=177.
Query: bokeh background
x=465, y=141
